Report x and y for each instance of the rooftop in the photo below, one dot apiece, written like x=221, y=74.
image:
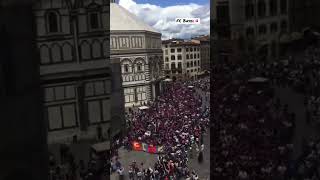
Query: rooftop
x=122, y=20
x=179, y=42
x=202, y=38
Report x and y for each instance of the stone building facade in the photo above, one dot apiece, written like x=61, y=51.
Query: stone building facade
x=138, y=47
x=181, y=59
x=261, y=24
x=205, y=60
x=75, y=68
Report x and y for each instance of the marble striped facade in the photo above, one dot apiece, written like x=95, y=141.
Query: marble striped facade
x=75, y=67
x=141, y=64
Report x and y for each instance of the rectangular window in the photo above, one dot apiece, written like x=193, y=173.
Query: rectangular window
x=59, y=92
x=94, y=20
x=179, y=49
x=69, y=115
x=173, y=58
x=179, y=57
x=283, y=6
x=106, y=109
x=54, y=117
x=172, y=50
x=94, y=112
x=49, y=94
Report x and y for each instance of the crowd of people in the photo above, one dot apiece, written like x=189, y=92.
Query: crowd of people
x=66, y=168
x=252, y=130
x=175, y=121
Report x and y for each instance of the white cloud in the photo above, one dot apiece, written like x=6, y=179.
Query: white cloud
x=163, y=18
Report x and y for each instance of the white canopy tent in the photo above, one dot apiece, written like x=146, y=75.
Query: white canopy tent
x=258, y=80
x=101, y=147
x=143, y=107
x=167, y=80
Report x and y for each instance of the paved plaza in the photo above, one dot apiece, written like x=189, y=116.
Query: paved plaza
x=202, y=169
x=127, y=157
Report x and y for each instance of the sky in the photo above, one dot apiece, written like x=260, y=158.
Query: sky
x=161, y=15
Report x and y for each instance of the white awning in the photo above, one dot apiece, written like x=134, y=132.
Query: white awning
x=190, y=86
x=296, y=36
x=285, y=38
x=167, y=80
x=258, y=79
x=143, y=107
x=101, y=147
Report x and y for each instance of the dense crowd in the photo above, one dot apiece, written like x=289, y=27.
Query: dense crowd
x=66, y=168
x=175, y=121
x=252, y=130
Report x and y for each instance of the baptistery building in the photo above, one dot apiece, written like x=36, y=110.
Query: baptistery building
x=138, y=48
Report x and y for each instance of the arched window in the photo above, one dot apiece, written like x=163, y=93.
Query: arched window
x=173, y=65
x=283, y=6
x=52, y=22
x=44, y=54
x=262, y=29
x=126, y=68
x=250, y=32
x=85, y=50
x=96, y=49
x=261, y=8
x=249, y=9
x=67, y=52
x=56, y=53
x=273, y=7
x=274, y=27
x=284, y=26
x=139, y=67
x=94, y=20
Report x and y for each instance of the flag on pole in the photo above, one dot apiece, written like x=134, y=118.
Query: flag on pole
x=144, y=147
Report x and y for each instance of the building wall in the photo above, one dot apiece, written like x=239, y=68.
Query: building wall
x=75, y=67
x=189, y=62
x=141, y=64
x=118, y=121
x=205, y=56
x=302, y=14
x=24, y=152
x=257, y=27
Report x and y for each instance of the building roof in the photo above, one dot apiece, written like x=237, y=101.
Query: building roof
x=172, y=41
x=185, y=44
x=202, y=38
x=122, y=20
x=179, y=42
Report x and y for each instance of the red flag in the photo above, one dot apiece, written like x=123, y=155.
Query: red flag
x=152, y=149
x=136, y=146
